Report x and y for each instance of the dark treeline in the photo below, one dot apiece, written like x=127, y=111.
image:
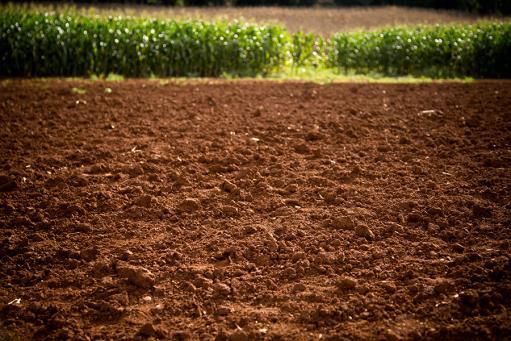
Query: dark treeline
x=474, y=6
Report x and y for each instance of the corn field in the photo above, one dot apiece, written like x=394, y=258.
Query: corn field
x=481, y=50
x=42, y=44
x=36, y=43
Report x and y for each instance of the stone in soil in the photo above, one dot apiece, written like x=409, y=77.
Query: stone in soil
x=271, y=242
x=126, y=255
x=188, y=286
x=293, y=202
x=313, y=135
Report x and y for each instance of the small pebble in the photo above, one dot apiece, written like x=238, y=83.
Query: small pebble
x=481, y=211
x=394, y=227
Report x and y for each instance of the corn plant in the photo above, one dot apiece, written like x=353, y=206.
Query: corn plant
x=307, y=50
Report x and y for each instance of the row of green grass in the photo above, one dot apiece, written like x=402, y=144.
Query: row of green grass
x=47, y=44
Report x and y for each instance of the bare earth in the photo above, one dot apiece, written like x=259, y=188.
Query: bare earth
x=255, y=210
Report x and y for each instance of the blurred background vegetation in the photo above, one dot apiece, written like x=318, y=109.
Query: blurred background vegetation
x=502, y=7
x=134, y=39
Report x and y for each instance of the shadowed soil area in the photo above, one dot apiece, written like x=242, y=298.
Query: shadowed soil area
x=254, y=210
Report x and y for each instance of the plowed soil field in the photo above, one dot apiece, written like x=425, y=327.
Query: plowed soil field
x=254, y=210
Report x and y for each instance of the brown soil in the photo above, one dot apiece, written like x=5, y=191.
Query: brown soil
x=255, y=210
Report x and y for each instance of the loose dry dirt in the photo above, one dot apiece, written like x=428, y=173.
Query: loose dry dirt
x=254, y=211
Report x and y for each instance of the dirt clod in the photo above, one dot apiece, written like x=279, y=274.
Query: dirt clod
x=101, y=268
x=229, y=211
x=302, y=148
x=136, y=275
x=346, y=283
x=443, y=286
x=221, y=289
x=89, y=254
x=299, y=287
x=343, y=223
x=144, y=201
x=364, y=231
x=229, y=187
x=239, y=335
x=189, y=205
x=223, y=310
x=481, y=211
x=149, y=330
x=330, y=198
